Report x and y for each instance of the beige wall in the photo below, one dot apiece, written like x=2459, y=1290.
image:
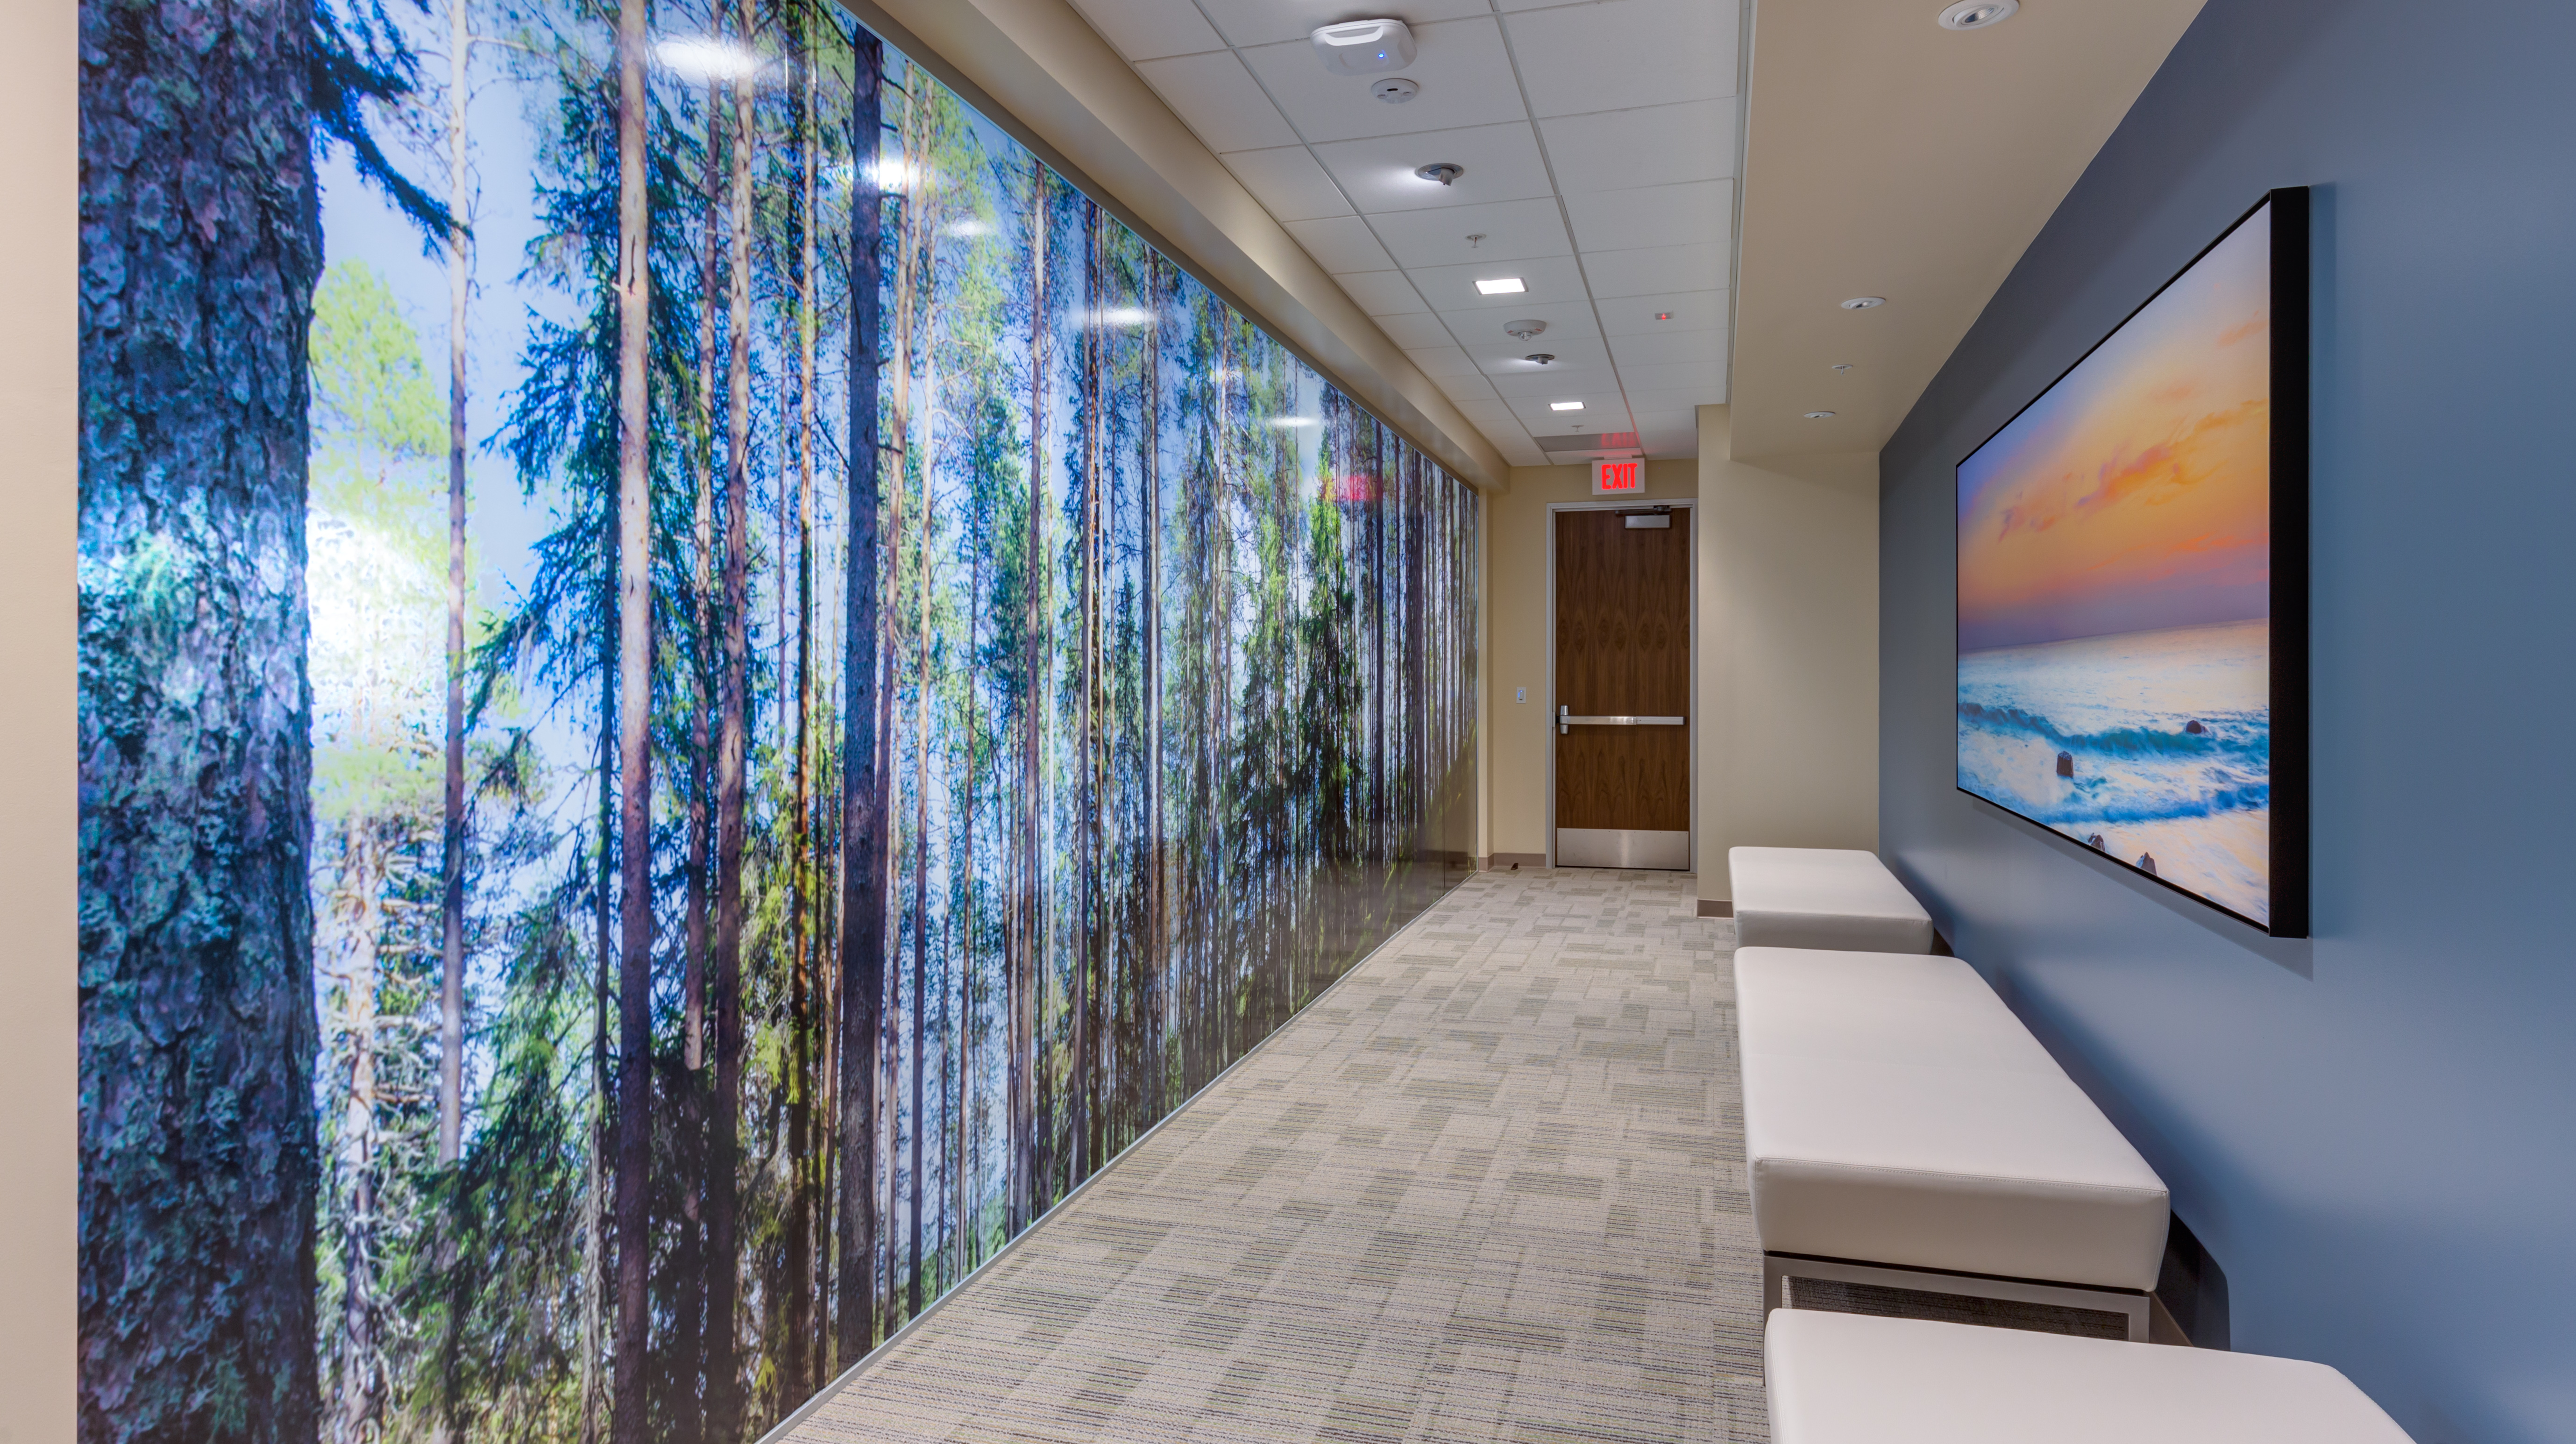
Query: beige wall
x=39, y=1069
x=1788, y=637
x=1515, y=770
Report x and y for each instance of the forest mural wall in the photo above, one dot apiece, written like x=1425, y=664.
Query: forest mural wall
x=701, y=689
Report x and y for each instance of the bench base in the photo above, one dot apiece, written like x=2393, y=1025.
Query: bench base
x=1777, y=1268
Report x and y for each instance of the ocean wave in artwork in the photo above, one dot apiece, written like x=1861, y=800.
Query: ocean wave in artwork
x=2155, y=747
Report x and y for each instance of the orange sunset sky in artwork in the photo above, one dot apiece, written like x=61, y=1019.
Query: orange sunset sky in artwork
x=2136, y=493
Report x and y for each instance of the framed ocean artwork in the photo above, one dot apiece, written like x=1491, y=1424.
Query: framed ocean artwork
x=2132, y=586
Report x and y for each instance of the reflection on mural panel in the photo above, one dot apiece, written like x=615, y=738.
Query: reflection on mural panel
x=702, y=689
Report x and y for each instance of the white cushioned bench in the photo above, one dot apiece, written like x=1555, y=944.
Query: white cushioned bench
x=1822, y=897
x=1856, y=1379
x=1899, y=1119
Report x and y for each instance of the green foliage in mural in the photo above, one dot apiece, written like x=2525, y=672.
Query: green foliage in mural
x=1133, y=661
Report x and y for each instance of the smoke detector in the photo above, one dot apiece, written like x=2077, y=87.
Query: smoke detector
x=1978, y=14
x=1395, y=90
x=1523, y=330
x=1364, y=47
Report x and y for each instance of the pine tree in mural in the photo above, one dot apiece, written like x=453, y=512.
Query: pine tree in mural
x=942, y=687
x=201, y=1164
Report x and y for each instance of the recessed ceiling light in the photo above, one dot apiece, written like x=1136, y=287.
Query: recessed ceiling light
x=1446, y=172
x=1501, y=286
x=1820, y=416
x=1978, y=14
x=1565, y=406
x=1864, y=303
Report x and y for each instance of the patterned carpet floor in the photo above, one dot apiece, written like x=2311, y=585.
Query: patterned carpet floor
x=1487, y=1190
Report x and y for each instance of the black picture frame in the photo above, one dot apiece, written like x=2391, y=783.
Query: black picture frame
x=2289, y=767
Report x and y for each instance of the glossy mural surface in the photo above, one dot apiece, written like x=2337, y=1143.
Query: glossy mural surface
x=724, y=690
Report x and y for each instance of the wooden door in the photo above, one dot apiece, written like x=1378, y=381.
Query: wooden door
x=1623, y=753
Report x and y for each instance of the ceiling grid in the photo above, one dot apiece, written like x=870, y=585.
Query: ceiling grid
x=1619, y=217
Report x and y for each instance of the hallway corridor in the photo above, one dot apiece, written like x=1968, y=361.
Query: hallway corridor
x=1488, y=1188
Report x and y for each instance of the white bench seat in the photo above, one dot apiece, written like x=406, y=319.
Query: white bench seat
x=1897, y=1113
x=1821, y=897
x=1856, y=1379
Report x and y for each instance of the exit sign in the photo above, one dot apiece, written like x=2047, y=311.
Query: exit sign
x=1619, y=478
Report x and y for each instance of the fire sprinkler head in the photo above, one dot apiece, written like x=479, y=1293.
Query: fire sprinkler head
x=1444, y=171
x=1540, y=357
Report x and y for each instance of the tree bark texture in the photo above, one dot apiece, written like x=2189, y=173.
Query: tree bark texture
x=635, y=722
x=724, y=1372
x=863, y=873
x=198, y=1154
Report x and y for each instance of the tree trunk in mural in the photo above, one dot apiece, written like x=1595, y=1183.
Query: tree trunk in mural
x=863, y=873
x=569, y=1196
x=725, y=980
x=199, y=1159
x=635, y=732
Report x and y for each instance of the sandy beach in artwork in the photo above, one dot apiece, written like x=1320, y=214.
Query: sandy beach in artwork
x=2154, y=747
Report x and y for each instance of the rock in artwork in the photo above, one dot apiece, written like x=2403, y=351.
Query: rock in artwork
x=702, y=688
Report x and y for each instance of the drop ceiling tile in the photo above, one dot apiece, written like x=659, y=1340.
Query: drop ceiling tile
x=1437, y=362
x=1341, y=244
x=1464, y=388
x=1288, y=183
x=1602, y=411
x=1561, y=382
x=1567, y=323
x=1668, y=344
x=1260, y=22
x=1218, y=102
x=1651, y=145
x=1512, y=230
x=1451, y=289
x=1466, y=79
x=1645, y=399
x=1150, y=29
x=1668, y=417
x=1689, y=311
x=1654, y=270
x=1692, y=213
x=1501, y=164
x=1416, y=331
x=1382, y=293
x=1643, y=52
x=1704, y=376
x=1507, y=357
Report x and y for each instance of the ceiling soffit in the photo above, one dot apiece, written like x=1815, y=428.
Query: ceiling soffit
x=1887, y=156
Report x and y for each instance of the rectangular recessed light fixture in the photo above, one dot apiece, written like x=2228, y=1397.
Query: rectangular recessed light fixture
x=1565, y=406
x=1502, y=286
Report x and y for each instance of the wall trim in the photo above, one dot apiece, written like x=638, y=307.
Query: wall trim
x=1711, y=907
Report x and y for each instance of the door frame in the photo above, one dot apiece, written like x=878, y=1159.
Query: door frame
x=1682, y=506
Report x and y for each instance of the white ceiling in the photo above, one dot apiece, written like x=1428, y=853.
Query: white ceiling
x=1599, y=146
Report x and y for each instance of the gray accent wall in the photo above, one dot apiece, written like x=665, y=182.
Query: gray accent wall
x=2373, y=1134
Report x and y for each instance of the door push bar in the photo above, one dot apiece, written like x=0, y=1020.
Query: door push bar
x=1565, y=720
